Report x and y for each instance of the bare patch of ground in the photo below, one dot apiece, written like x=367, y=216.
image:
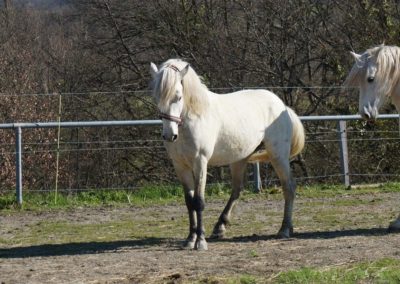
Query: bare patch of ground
x=328, y=232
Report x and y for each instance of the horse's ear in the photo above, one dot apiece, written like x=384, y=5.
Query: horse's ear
x=184, y=71
x=356, y=56
x=153, y=69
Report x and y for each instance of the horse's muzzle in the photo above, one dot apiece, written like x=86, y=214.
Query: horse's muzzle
x=369, y=113
x=171, y=138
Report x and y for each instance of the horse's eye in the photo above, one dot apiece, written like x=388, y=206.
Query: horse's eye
x=370, y=79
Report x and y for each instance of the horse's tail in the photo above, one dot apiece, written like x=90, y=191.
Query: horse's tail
x=298, y=135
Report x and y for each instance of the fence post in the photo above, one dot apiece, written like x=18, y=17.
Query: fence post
x=257, y=178
x=18, y=164
x=344, y=153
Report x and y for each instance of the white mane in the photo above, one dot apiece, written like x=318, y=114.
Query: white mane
x=194, y=91
x=387, y=60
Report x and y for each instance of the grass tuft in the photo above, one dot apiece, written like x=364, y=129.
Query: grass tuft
x=385, y=270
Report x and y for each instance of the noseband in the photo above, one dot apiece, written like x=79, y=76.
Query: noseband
x=173, y=118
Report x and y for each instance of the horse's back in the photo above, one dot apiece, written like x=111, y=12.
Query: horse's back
x=247, y=103
x=246, y=119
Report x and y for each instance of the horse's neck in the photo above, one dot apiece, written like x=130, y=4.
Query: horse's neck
x=395, y=97
x=200, y=106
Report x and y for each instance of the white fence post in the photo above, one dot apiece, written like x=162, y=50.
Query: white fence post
x=344, y=153
x=257, y=178
x=18, y=162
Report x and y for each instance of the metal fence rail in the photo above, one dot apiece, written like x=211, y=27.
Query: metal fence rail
x=18, y=127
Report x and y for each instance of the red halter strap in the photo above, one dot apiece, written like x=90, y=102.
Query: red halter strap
x=173, y=118
x=173, y=67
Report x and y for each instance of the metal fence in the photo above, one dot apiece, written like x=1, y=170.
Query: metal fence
x=341, y=140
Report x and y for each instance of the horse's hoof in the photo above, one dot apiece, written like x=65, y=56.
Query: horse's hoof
x=394, y=227
x=189, y=245
x=285, y=233
x=190, y=241
x=201, y=245
x=217, y=235
x=218, y=232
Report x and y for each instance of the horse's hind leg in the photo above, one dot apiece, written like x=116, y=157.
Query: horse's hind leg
x=237, y=171
x=394, y=226
x=282, y=169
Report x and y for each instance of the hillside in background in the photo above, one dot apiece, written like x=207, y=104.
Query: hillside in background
x=97, y=54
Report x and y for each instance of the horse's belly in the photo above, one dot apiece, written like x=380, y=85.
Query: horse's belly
x=233, y=150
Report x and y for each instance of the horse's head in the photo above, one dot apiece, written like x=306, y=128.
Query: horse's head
x=377, y=74
x=370, y=98
x=168, y=92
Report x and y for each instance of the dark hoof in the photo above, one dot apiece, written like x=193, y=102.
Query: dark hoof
x=218, y=232
x=285, y=233
x=392, y=230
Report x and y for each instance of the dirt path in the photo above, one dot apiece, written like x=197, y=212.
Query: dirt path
x=353, y=233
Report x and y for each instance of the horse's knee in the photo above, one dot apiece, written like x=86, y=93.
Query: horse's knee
x=189, y=200
x=198, y=203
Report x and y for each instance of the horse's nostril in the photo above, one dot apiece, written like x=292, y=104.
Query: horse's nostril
x=365, y=113
x=174, y=137
x=163, y=137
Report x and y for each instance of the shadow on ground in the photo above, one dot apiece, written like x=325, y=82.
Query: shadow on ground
x=46, y=250
x=82, y=248
x=310, y=235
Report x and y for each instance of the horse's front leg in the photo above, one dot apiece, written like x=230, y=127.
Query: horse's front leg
x=185, y=176
x=200, y=177
x=191, y=239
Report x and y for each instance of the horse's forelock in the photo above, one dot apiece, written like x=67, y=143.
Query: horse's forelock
x=193, y=88
x=387, y=59
x=164, y=87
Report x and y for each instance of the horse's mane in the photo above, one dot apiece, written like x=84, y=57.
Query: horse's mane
x=387, y=58
x=194, y=91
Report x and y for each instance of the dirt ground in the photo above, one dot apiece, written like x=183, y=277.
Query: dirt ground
x=329, y=232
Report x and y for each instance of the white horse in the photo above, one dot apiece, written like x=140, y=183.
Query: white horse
x=201, y=128
x=377, y=73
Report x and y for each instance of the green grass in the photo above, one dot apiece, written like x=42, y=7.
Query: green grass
x=381, y=271
x=164, y=194
x=47, y=200
x=385, y=270
x=326, y=190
